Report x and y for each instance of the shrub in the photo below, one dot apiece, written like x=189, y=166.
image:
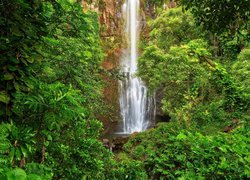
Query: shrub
x=169, y=152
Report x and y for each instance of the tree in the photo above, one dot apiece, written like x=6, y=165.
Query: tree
x=219, y=16
x=50, y=88
x=23, y=24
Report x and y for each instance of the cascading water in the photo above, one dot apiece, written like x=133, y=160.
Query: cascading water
x=137, y=109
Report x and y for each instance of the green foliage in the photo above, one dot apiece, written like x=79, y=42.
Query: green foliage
x=22, y=141
x=4, y=97
x=158, y=2
x=198, y=92
x=127, y=169
x=80, y=152
x=241, y=69
x=50, y=91
x=168, y=29
x=182, y=75
x=227, y=20
x=33, y=171
x=219, y=16
x=16, y=174
x=4, y=145
x=38, y=171
x=52, y=105
x=16, y=144
x=169, y=152
x=173, y=27
x=212, y=113
x=191, y=80
x=22, y=26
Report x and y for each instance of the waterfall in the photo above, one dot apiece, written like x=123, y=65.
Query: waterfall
x=137, y=108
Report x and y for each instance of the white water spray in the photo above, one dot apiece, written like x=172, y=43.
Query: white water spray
x=137, y=109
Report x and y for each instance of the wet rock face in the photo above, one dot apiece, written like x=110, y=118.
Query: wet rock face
x=110, y=15
x=110, y=93
x=110, y=19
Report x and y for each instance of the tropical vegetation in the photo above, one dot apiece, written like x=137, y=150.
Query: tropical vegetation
x=196, y=55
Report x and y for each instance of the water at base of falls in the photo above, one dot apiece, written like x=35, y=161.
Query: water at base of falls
x=137, y=108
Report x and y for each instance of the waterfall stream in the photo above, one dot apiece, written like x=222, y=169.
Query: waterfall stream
x=137, y=108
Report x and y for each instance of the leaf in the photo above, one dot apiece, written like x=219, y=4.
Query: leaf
x=31, y=59
x=181, y=136
x=49, y=137
x=8, y=76
x=16, y=85
x=34, y=177
x=14, y=60
x=88, y=54
x=24, y=152
x=46, y=143
x=17, y=32
x=189, y=165
x=223, y=149
x=18, y=154
x=51, y=41
x=29, y=147
x=4, y=97
x=24, y=61
x=180, y=157
x=12, y=154
x=223, y=163
x=16, y=174
x=12, y=68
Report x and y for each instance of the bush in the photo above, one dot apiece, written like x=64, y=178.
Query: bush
x=169, y=152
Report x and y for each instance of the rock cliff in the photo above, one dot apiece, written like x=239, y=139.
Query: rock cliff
x=110, y=16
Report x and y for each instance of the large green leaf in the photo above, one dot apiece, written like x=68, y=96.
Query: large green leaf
x=24, y=151
x=4, y=97
x=16, y=174
x=8, y=76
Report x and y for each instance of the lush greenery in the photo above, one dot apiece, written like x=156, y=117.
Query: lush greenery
x=172, y=151
x=196, y=55
x=196, y=84
x=201, y=67
x=50, y=92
